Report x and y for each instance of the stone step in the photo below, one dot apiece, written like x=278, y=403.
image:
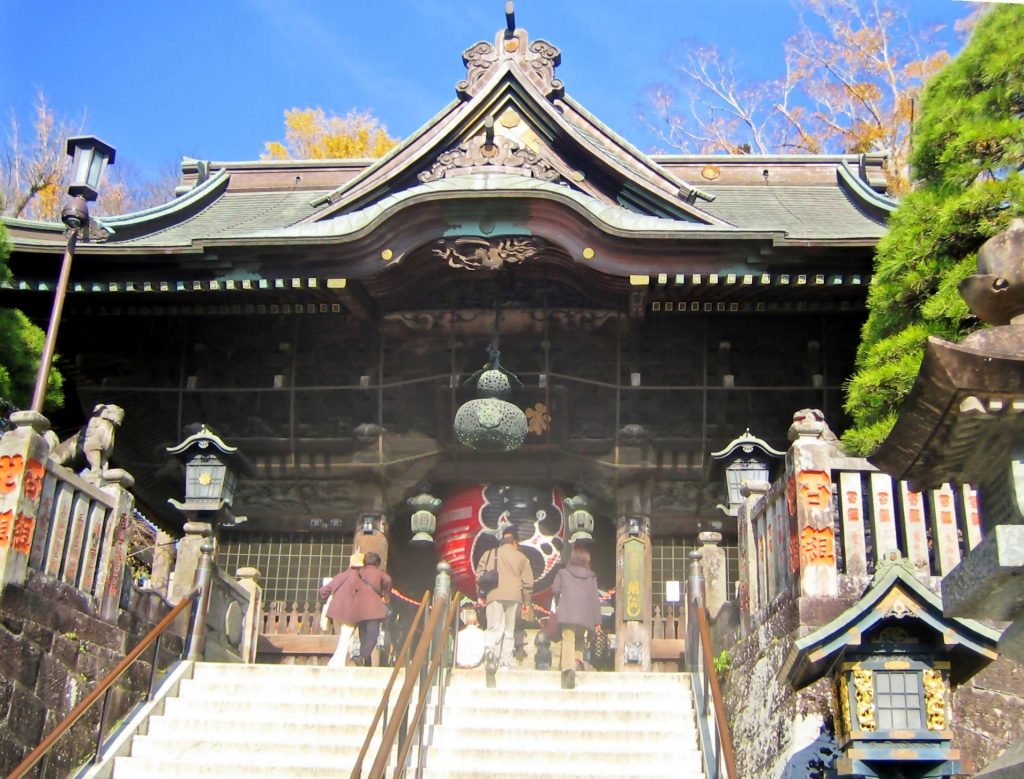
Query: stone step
x=541, y=772
x=589, y=740
x=557, y=698
x=280, y=674
x=310, y=751
x=336, y=712
x=566, y=763
x=293, y=688
x=266, y=730
x=544, y=719
x=533, y=679
x=224, y=767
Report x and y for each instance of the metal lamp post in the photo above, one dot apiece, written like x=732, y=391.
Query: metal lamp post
x=90, y=156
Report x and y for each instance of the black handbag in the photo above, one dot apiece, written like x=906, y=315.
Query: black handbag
x=489, y=578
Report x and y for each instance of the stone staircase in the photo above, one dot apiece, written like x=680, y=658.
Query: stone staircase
x=286, y=722
x=260, y=722
x=611, y=726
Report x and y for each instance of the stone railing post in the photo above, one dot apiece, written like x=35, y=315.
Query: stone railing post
x=187, y=559
x=23, y=453
x=748, y=590
x=248, y=579
x=713, y=565
x=809, y=502
x=163, y=562
x=205, y=571
x=695, y=599
x=110, y=577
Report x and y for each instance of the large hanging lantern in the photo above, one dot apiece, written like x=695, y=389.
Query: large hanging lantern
x=490, y=423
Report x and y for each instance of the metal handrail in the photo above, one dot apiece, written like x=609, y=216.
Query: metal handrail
x=437, y=655
x=42, y=752
x=398, y=718
x=385, y=696
x=709, y=679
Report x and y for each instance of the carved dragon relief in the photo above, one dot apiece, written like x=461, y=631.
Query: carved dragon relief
x=492, y=254
x=501, y=152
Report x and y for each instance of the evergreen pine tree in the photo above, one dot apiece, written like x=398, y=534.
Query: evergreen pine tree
x=21, y=345
x=968, y=162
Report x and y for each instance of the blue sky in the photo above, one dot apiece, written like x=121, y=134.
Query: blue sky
x=212, y=78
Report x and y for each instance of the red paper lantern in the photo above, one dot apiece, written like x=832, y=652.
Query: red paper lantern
x=470, y=518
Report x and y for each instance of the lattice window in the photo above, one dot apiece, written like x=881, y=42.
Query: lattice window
x=669, y=563
x=898, y=699
x=291, y=565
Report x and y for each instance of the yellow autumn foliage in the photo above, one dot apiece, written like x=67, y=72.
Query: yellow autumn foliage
x=313, y=134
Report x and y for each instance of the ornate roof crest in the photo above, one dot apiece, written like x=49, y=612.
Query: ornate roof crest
x=500, y=151
x=536, y=60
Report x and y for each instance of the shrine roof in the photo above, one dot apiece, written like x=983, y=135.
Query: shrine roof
x=512, y=132
x=895, y=594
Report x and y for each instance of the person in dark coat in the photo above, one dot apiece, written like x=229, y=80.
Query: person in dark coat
x=360, y=597
x=578, y=610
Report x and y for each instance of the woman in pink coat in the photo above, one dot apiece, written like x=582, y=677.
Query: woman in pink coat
x=360, y=597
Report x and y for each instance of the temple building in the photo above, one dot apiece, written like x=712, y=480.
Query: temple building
x=340, y=324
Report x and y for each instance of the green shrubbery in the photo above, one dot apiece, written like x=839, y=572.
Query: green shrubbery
x=968, y=159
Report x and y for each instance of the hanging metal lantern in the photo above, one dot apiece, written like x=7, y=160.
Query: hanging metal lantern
x=490, y=423
x=423, y=521
x=580, y=522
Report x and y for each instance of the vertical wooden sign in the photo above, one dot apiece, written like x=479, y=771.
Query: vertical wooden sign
x=44, y=519
x=851, y=508
x=76, y=538
x=944, y=529
x=914, y=533
x=969, y=496
x=54, y=554
x=883, y=506
x=633, y=580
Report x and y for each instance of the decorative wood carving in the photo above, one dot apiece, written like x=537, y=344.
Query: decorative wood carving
x=492, y=254
x=537, y=61
x=500, y=151
x=864, y=692
x=935, y=699
x=843, y=694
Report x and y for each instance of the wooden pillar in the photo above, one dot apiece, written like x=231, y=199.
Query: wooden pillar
x=633, y=582
x=23, y=453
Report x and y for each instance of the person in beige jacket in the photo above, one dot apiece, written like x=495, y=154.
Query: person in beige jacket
x=514, y=592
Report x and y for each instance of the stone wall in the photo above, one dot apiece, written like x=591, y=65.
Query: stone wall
x=781, y=734
x=988, y=713
x=53, y=650
x=776, y=732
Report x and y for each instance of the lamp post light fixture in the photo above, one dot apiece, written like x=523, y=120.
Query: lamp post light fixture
x=745, y=458
x=635, y=526
x=423, y=521
x=368, y=524
x=211, y=476
x=90, y=156
x=580, y=522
